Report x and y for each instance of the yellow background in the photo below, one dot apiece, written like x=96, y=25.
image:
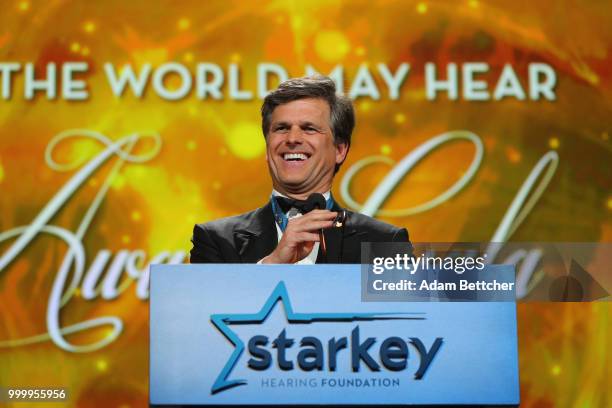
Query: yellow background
x=211, y=163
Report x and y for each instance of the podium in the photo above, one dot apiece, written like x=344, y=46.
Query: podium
x=301, y=335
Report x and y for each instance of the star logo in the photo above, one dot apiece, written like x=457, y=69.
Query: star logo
x=223, y=321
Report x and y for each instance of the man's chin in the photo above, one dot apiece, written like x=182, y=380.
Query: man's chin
x=294, y=185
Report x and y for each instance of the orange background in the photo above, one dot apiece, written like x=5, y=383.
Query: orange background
x=211, y=161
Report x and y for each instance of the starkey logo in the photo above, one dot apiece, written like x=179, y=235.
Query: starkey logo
x=392, y=351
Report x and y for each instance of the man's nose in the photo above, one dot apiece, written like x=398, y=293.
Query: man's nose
x=294, y=136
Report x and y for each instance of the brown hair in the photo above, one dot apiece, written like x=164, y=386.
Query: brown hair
x=341, y=108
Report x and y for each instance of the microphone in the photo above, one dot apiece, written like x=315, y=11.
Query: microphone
x=316, y=200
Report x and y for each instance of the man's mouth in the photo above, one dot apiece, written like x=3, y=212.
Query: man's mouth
x=292, y=157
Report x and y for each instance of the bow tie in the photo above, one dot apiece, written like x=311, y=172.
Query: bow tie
x=304, y=206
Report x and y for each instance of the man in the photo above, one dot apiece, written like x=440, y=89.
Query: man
x=308, y=129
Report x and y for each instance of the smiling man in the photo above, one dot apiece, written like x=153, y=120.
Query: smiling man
x=307, y=127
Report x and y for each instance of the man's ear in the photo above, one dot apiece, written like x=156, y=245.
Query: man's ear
x=341, y=152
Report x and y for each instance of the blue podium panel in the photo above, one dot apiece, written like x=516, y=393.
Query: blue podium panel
x=266, y=335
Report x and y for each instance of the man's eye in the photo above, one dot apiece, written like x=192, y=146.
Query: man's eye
x=280, y=128
x=310, y=129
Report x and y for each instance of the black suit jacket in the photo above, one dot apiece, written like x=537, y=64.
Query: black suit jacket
x=247, y=238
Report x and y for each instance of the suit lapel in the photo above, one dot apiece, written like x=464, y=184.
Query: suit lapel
x=339, y=241
x=351, y=244
x=257, y=239
x=333, y=241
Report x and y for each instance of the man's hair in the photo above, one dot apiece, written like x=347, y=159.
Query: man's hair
x=341, y=109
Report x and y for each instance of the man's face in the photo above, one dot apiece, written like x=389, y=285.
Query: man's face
x=301, y=153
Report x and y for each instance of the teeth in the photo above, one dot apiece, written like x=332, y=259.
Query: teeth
x=295, y=156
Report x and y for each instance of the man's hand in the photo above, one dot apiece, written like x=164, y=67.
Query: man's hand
x=300, y=236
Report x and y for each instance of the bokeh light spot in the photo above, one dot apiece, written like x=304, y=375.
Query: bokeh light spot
x=23, y=5
x=421, y=8
x=365, y=106
x=385, y=149
x=183, y=24
x=118, y=182
x=245, y=141
x=399, y=118
x=191, y=145
x=553, y=142
x=513, y=155
x=296, y=22
x=556, y=370
x=101, y=365
x=136, y=216
x=331, y=45
x=89, y=27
